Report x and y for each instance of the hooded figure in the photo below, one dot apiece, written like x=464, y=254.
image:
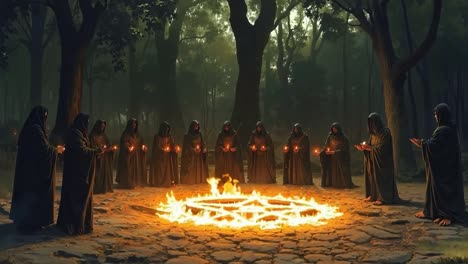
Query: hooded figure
x=261, y=157
x=445, y=201
x=297, y=168
x=228, y=154
x=335, y=159
x=163, y=168
x=194, y=168
x=32, y=204
x=104, y=172
x=379, y=171
x=131, y=169
x=76, y=205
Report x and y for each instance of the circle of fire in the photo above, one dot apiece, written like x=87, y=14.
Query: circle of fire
x=231, y=208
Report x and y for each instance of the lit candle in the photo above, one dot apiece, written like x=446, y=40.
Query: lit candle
x=114, y=147
x=131, y=148
x=296, y=148
x=227, y=146
x=143, y=147
x=328, y=149
x=316, y=151
x=363, y=143
x=197, y=147
x=167, y=148
x=177, y=149
x=286, y=148
x=105, y=146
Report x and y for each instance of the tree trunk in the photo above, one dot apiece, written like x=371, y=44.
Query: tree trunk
x=70, y=91
x=38, y=17
x=90, y=89
x=344, y=63
x=428, y=124
x=250, y=44
x=282, y=73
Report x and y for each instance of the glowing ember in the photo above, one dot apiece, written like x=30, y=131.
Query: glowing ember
x=233, y=209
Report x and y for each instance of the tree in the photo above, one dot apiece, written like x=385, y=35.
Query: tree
x=251, y=40
x=373, y=19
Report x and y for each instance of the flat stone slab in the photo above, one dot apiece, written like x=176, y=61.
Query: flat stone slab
x=187, y=259
x=378, y=233
x=225, y=255
x=387, y=256
x=260, y=246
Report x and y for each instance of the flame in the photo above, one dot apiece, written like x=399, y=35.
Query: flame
x=233, y=209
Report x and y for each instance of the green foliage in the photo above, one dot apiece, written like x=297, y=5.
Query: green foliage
x=456, y=260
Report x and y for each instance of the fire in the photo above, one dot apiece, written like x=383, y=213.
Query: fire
x=234, y=209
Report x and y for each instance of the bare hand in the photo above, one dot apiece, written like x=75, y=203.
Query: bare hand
x=359, y=147
x=131, y=148
x=225, y=149
x=416, y=141
x=263, y=148
x=233, y=149
x=253, y=148
x=330, y=152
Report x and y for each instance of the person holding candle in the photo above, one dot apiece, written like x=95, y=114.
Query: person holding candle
x=261, y=157
x=194, y=168
x=444, y=203
x=297, y=168
x=32, y=203
x=131, y=168
x=335, y=159
x=228, y=158
x=163, y=167
x=76, y=203
x=104, y=163
x=379, y=171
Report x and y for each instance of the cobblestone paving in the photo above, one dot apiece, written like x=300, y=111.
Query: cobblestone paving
x=127, y=231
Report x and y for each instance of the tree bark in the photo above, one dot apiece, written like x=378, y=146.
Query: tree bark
x=344, y=65
x=74, y=44
x=250, y=44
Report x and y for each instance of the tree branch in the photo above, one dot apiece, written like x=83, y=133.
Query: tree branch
x=238, y=16
x=194, y=37
x=286, y=12
x=431, y=36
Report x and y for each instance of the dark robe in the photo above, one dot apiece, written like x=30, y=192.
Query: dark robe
x=442, y=158
x=131, y=167
x=32, y=204
x=336, y=168
x=379, y=171
x=297, y=169
x=76, y=205
x=104, y=163
x=194, y=168
x=228, y=162
x=163, y=167
x=261, y=163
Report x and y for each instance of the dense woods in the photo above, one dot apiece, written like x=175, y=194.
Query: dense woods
x=280, y=61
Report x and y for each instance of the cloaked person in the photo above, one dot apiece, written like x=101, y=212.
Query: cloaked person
x=297, y=168
x=104, y=163
x=379, y=171
x=228, y=158
x=335, y=159
x=164, y=168
x=261, y=156
x=445, y=202
x=131, y=168
x=194, y=168
x=76, y=204
x=32, y=204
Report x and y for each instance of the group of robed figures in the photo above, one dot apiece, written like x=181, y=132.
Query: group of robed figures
x=88, y=166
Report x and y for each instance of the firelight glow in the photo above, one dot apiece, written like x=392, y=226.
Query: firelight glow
x=233, y=209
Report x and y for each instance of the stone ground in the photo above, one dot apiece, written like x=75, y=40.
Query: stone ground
x=127, y=231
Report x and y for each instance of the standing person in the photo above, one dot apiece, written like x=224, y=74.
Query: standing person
x=131, y=167
x=194, y=168
x=261, y=156
x=163, y=167
x=32, y=203
x=379, y=171
x=445, y=202
x=228, y=155
x=297, y=168
x=76, y=205
x=335, y=159
x=104, y=171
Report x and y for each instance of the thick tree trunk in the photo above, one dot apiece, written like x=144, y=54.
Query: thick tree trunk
x=169, y=103
x=428, y=124
x=283, y=73
x=70, y=91
x=344, y=66
x=246, y=104
x=38, y=17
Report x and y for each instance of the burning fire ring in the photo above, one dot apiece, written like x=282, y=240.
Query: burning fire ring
x=234, y=209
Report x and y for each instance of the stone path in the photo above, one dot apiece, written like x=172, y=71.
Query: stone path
x=126, y=231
